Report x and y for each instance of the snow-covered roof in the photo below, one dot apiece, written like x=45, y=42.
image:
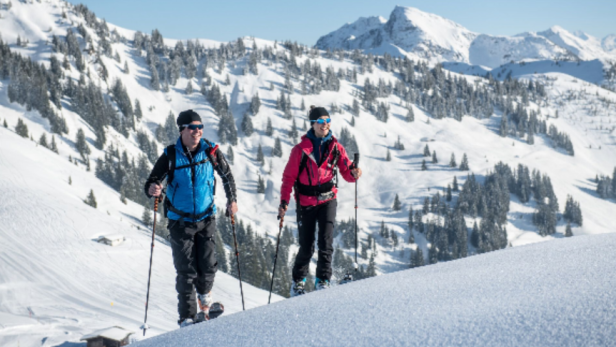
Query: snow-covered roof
x=113, y=333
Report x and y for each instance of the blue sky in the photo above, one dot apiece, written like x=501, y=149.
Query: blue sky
x=305, y=21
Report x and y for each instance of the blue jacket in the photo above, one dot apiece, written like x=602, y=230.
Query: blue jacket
x=192, y=189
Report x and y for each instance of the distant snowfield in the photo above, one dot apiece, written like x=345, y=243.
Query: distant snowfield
x=560, y=293
x=56, y=283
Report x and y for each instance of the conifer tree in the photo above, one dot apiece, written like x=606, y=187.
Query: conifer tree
x=138, y=111
x=126, y=70
x=452, y=161
x=21, y=128
x=91, y=199
x=70, y=181
x=568, y=231
x=355, y=108
x=423, y=165
x=426, y=152
x=449, y=193
x=455, y=184
x=269, y=130
x=247, y=127
x=371, y=270
x=410, y=116
x=397, y=204
x=434, y=158
x=277, y=150
x=82, y=145
x=5, y=124
x=464, y=163
x=352, y=121
x=53, y=147
x=260, y=186
x=388, y=155
x=43, y=141
x=146, y=217
x=230, y=155
x=255, y=104
x=260, y=157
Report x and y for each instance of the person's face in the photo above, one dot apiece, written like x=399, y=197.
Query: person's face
x=321, y=130
x=191, y=137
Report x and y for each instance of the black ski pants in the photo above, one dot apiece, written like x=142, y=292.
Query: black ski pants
x=324, y=215
x=194, y=257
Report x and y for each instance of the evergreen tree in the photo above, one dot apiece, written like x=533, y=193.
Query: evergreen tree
x=277, y=150
x=260, y=186
x=452, y=161
x=464, y=163
x=269, y=130
x=260, y=157
x=189, y=88
x=91, y=199
x=126, y=70
x=449, y=197
x=230, y=155
x=70, y=181
x=371, y=270
x=423, y=165
x=154, y=80
x=410, y=116
x=503, y=126
x=221, y=254
x=388, y=155
x=426, y=152
x=146, y=217
x=397, y=204
x=355, y=108
x=82, y=145
x=247, y=127
x=5, y=124
x=138, y=112
x=21, y=128
x=43, y=141
x=255, y=104
x=568, y=231
x=455, y=184
x=434, y=158
x=53, y=147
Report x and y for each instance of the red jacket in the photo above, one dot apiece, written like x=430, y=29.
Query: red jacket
x=318, y=175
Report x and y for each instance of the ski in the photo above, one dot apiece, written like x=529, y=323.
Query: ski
x=215, y=311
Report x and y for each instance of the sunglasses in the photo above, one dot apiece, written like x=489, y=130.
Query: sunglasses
x=322, y=121
x=193, y=126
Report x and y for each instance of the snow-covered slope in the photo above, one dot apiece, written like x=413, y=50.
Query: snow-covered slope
x=411, y=32
x=560, y=293
x=56, y=282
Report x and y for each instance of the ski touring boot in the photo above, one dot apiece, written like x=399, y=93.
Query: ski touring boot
x=185, y=322
x=298, y=288
x=320, y=284
x=209, y=308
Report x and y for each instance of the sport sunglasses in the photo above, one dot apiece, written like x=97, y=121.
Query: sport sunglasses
x=193, y=126
x=322, y=121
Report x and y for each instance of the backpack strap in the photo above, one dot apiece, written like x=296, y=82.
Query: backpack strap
x=171, y=156
x=302, y=166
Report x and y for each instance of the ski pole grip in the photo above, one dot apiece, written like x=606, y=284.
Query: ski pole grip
x=356, y=160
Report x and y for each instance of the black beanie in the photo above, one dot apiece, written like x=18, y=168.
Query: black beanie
x=187, y=117
x=317, y=112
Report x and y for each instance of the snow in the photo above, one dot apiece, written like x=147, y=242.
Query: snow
x=559, y=293
x=417, y=34
x=56, y=282
x=114, y=333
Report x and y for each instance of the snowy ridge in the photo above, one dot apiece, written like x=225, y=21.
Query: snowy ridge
x=558, y=293
x=419, y=34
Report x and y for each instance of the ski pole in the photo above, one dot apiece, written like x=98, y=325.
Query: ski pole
x=147, y=297
x=237, y=256
x=355, y=164
x=275, y=258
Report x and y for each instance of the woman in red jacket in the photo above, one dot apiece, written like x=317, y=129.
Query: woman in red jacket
x=311, y=173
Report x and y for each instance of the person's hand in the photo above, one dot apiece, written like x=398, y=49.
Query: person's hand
x=232, y=208
x=356, y=173
x=282, y=210
x=155, y=189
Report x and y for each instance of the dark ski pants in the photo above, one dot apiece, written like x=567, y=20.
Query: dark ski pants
x=194, y=257
x=324, y=215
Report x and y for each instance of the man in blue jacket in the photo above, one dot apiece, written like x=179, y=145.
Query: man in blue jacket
x=189, y=167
